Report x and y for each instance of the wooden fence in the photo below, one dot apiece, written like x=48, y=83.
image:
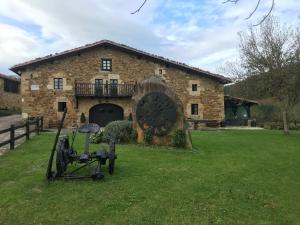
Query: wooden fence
x=38, y=127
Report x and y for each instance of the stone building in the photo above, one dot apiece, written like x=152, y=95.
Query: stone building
x=10, y=98
x=98, y=80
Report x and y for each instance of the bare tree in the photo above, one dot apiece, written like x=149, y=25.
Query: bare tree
x=272, y=52
x=235, y=2
x=255, y=9
x=142, y=5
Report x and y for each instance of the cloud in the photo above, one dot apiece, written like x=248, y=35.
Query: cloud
x=17, y=45
x=202, y=33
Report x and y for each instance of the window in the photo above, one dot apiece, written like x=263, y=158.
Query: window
x=194, y=109
x=106, y=65
x=11, y=86
x=61, y=106
x=58, y=83
x=194, y=87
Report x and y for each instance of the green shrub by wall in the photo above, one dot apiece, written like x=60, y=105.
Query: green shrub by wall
x=119, y=130
x=148, y=136
x=97, y=138
x=179, y=139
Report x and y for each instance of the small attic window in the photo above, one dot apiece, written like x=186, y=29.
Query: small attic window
x=106, y=64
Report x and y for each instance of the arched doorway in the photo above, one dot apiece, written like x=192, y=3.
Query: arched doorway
x=102, y=114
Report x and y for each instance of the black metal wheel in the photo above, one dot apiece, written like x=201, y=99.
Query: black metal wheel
x=112, y=157
x=111, y=166
x=61, y=160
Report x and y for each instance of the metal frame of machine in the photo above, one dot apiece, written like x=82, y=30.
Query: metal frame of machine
x=66, y=155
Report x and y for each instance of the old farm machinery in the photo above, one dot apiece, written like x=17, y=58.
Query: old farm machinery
x=67, y=156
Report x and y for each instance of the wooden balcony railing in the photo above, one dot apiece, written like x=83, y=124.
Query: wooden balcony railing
x=104, y=90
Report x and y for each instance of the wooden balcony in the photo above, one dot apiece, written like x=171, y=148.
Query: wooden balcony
x=104, y=90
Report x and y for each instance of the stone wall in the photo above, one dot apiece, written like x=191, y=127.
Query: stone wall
x=9, y=100
x=42, y=99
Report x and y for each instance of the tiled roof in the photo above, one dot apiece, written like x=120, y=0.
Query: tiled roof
x=241, y=100
x=208, y=74
x=13, y=78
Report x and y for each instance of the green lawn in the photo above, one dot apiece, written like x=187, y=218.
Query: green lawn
x=231, y=177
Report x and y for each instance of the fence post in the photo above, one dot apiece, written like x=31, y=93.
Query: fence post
x=27, y=130
x=42, y=123
x=12, y=137
x=37, y=126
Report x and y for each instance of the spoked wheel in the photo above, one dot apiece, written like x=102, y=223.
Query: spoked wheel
x=61, y=160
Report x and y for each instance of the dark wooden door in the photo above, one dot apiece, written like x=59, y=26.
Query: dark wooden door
x=98, y=87
x=113, y=87
x=102, y=114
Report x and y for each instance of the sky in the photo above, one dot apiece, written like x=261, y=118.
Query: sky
x=201, y=33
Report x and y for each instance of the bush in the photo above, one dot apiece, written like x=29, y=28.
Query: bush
x=130, y=117
x=97, y=138
x=119, y=130
x=148, y=136
x=82, y=118
x=179, y=140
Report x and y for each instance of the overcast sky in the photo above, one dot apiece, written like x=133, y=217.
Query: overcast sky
x=202, y=33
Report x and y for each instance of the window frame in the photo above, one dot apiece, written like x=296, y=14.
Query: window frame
x=11, y=86
x=61, y=108
x=58, y=85
x=194, y=109
x=194, y=87
x=104, y=64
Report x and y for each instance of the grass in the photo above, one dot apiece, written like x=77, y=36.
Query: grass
x=232, y=177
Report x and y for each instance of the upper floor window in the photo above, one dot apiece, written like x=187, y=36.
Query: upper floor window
x=58, y=83
x=194, y=87
x=194, y=109
x=106, y=64
x=11, y=86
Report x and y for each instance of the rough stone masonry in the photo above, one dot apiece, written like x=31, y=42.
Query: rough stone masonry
x=195, y=88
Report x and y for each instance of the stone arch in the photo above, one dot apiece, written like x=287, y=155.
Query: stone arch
x=104, y=113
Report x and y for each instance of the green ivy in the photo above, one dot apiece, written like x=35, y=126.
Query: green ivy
x=179, y=139
x=82, y=118
x=148, y=136
x=133, y=135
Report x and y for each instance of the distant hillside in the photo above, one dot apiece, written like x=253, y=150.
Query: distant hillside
x=269, y=109
x=251, y=88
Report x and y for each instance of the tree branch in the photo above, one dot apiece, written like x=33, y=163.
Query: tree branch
x=266, y=16
x=235, y=2
x=136, y=11
x=251, y=14
x=254, y=10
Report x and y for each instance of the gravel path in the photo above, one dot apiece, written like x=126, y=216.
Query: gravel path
x=6, y=121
